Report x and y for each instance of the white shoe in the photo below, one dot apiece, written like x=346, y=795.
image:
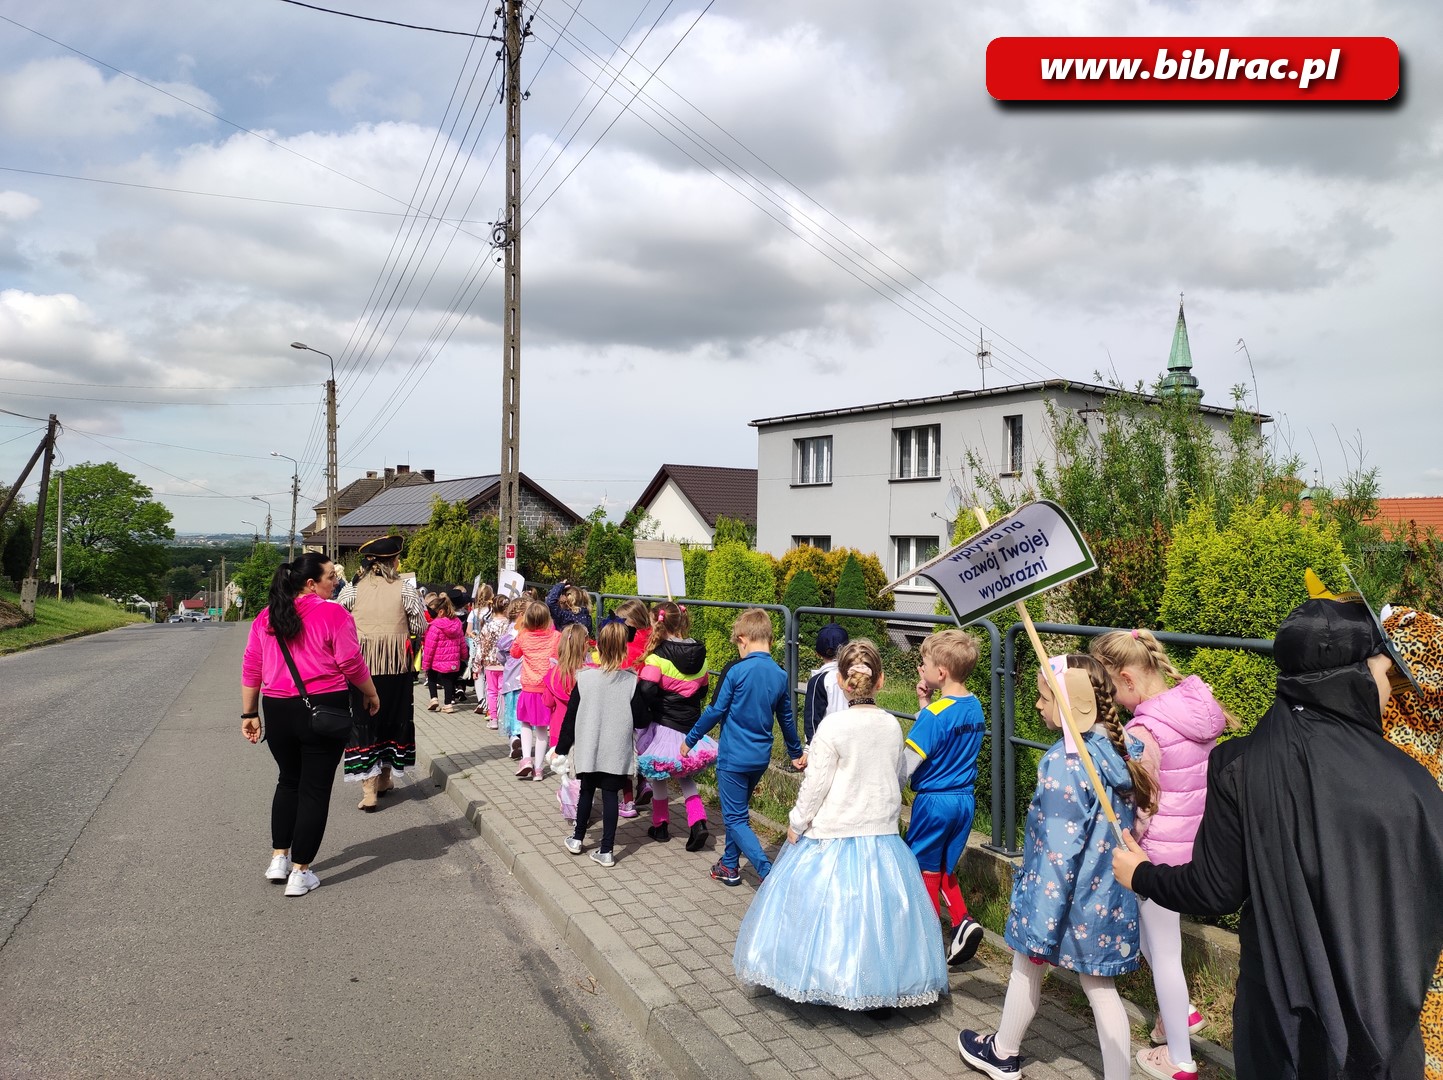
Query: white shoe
x=301, y=882
x=279, y=869
x=573, y=845
x=604, y=858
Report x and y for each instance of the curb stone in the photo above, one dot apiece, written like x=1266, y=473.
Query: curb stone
x=689, y=1049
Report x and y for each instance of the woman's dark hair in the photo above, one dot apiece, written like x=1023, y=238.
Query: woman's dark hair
x=290, y=579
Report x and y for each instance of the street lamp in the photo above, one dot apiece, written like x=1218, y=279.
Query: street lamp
x=295, y=492
x=330, y=451
x=255, y=534
x=257, y=498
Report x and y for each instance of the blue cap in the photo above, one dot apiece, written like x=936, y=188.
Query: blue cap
x=831, y=638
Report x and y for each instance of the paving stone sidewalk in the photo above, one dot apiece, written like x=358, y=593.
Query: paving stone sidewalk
x=657, y=933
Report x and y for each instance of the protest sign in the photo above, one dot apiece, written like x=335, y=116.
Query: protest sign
x=659, y=569
x=1035, y=548
x=510, y=583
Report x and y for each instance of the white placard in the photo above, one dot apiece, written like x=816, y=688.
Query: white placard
x=1031, y=550
x=510, y=583
x=659, y=568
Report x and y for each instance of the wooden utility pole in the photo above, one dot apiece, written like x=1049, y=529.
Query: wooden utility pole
x=331, y=465
x=30, y=586
x=508, y=235
x=59, y=527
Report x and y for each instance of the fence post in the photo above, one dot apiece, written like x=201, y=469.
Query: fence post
x=1009, y=727
x=994, y=648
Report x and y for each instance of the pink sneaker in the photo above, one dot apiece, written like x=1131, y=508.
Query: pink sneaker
x=1195, y=1023
x=627, y=809
x=1157, y=1064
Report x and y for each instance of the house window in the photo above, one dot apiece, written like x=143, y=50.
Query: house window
x=813, y=460
x=910, y=552
x=821, y=543
x=916, y=452
x=1012, y=433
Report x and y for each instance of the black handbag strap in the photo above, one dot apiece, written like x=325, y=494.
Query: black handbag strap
x=295, y=675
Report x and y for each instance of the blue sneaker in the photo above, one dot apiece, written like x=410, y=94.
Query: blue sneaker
x=977, y=1051
x=727, y=875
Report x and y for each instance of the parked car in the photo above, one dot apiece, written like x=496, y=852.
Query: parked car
x=176, y=618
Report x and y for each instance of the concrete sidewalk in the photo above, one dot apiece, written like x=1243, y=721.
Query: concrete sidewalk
x=657, y=933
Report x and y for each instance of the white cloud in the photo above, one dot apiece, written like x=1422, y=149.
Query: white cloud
x=65, y=98
x=352, y=94
x=16, y=205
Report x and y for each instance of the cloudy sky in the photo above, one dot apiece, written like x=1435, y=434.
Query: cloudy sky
x=814, y=203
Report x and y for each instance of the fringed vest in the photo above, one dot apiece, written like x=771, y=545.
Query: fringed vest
x=381, y=623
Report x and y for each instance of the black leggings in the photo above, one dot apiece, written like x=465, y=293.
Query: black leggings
x=609, y=808
x=447, y=679
x=307, y=770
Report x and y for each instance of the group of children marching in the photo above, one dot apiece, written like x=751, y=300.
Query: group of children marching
x=849, y=914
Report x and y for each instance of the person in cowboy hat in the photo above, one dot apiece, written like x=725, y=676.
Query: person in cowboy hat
x=388, y=613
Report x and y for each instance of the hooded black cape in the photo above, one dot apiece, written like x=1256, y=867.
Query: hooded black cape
x=1335, y=837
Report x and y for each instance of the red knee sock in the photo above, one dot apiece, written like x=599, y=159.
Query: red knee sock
x=933, y=881
x=660, y=812
x=695, y=810
x=956, y=906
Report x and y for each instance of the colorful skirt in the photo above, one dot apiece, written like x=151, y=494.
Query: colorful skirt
x=510, y=725
x=386, y=740
x=844, y=922
x=659, y=756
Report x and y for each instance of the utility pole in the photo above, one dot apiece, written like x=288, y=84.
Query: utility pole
x=508, y=235
x=59, y=525
x=221, y=605
x=984, y=356
x=30, y=587
x=330, y=451
x=291, y=536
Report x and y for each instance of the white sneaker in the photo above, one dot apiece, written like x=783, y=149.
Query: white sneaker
x=279, y=869
x=604, y=858
x=301, y=882
x=573, y=845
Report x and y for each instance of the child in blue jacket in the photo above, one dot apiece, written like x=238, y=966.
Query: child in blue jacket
x=1068, y=909
x=753, y=691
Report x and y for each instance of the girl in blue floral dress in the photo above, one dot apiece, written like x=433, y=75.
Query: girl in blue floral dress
x=1067, y=908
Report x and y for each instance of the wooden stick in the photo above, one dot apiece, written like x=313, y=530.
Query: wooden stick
x=1064, y=707
x=666, y=581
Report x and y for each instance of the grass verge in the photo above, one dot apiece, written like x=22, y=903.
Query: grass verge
x=57, y=619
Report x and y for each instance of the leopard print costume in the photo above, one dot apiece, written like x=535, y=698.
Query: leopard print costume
x=1414, y=724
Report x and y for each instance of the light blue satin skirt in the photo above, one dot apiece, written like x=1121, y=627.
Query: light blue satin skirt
x=844, y=922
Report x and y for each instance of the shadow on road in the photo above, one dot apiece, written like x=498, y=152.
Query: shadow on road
x=414, y=844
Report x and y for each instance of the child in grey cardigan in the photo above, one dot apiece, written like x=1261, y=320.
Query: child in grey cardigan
x=601, y=716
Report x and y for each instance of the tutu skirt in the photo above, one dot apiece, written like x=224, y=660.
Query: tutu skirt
x=844, y=922
x=510, y=724
x=659, y=757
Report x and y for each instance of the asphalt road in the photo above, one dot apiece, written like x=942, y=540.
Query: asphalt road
x=142, y=940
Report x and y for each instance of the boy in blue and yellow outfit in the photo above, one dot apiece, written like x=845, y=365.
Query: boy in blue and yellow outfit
x=942, y=750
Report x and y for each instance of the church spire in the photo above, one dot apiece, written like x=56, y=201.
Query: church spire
x=1180, y=383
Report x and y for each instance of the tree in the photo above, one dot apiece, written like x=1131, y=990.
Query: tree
x=451, y=549
x=17, y=534
x=115, y=534
x=252, y=577
x=852, y=595
x=733, y=531
x=609, y=547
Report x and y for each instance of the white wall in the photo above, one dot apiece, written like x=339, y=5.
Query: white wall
x=864, y=507
x=676, y=519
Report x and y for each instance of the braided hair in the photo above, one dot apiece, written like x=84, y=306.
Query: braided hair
x=1141, y=650
x=1144, y=784
x=670, y=621
x=859, y=670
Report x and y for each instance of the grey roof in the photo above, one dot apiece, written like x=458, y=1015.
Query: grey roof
x=998, y=391
x=411, y=504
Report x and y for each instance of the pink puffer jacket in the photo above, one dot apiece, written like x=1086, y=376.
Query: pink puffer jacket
x=444, y=646
x=1185, y=721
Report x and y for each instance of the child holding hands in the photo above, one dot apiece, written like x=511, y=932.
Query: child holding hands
x=752, y=693
x=842, y=919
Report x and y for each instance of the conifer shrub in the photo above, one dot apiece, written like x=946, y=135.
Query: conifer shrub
x=736, y=573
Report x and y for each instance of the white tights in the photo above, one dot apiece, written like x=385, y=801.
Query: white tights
x=1024, y=993
x=1161, y=933
x=533, y=745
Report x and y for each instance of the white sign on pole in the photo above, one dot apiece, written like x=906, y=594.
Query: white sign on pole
x=659, y=569
x=1031, y=550
x=510, y=583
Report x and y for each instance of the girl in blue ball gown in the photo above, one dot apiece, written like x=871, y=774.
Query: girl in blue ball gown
x=843, y=918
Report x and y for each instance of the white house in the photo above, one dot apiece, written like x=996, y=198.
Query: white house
x=683, y=502
x=886, y=477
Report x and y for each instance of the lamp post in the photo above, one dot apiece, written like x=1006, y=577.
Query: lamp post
x=255, y=533
x=295, y=493
x=257, y=498
x=330, y=451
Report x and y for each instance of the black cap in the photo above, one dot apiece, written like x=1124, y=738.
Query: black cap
x=383, y=547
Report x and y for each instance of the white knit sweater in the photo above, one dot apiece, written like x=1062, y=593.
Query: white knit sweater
x=855, y=773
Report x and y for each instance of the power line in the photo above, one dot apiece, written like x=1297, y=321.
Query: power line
x=387, y=22
x=212, y=194
x=134, y=401
x=157, y=468
x=176, y=446
x=144, y=386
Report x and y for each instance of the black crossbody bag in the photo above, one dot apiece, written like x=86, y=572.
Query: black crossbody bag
x=328, y=721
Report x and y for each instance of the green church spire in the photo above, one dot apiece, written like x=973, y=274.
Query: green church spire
x=1180, y=383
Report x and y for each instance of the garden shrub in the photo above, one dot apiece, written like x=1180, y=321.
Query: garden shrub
x=1244, y=683
x=852, y=594
x=815, y=561
x=736, y=573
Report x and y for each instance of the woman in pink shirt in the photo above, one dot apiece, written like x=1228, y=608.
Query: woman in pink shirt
x=322, y=641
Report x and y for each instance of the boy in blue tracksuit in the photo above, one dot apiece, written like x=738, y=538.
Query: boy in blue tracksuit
x=753, y=691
